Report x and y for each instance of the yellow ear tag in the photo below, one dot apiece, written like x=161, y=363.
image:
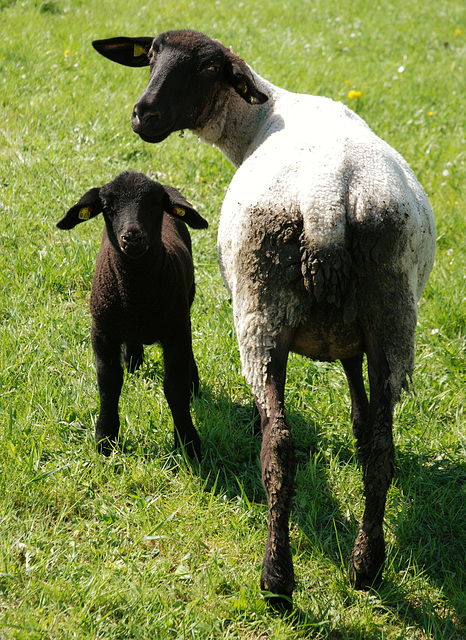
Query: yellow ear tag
x=138, y=51
x=179, y=211
x=85, y=213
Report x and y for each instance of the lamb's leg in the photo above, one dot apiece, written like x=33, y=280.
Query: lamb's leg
x=177, y=384
x=133, y=356
x=278, y=471
x=375, y=445
x=109, y=381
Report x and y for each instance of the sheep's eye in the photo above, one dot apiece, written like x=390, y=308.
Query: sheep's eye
x=213, y=69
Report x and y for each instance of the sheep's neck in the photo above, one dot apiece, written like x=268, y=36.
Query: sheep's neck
x=234, y=124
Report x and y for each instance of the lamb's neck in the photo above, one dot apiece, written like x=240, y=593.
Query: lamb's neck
x=234, y=125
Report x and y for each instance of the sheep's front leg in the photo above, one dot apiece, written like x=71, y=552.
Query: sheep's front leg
x=109, y=381
x=278, y=471
x=376, y=451
x=179, y=380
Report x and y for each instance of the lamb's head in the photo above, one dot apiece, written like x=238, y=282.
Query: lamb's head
x=188, y=71
x=132, y=206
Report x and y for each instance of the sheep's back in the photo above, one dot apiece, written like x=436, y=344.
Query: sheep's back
x=350, y=197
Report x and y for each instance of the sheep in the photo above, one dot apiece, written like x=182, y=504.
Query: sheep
x=326, y=240
x=142, y=291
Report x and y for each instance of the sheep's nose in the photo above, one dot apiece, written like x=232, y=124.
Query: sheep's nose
x=144, y=117
x=133, y=236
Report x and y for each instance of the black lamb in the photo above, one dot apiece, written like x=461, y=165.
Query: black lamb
x=142, y=291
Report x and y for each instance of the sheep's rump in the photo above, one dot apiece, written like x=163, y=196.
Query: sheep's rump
x=319, y=236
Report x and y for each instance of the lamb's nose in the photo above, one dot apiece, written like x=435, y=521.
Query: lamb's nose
x=132, y=236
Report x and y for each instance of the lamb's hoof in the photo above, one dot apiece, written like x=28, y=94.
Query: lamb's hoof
x=191, y=445
x=367, y=562
x=105, y=446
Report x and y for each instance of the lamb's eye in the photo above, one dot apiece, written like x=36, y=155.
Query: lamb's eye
x=213, y=69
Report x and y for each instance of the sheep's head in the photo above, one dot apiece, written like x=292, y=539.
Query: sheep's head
x=132, y=206
x=187, y=73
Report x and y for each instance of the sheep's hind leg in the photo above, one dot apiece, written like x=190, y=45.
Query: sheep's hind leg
x=133, y=356
x=376, y=451
x=177, y=385
x=278, y=471
x=110, y=381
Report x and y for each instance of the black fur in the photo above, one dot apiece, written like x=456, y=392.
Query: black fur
x=142, y=292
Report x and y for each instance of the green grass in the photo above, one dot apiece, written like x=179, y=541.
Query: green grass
x=143, y=545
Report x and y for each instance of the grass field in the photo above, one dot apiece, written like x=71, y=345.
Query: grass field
x=142, y=545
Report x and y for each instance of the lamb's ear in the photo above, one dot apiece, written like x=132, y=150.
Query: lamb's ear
x=242, y=81
x=132, y=52
x=179, y=207
x=89, y=206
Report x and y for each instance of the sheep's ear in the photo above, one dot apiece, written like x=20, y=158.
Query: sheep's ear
x=179, y=207
x=132, y=52
x=89, y=206
x=240, y=78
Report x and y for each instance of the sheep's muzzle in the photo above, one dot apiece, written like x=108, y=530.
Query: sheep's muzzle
x=133, y=244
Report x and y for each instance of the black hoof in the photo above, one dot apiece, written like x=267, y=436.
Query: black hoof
x=190, y=445
x=364, y=581
x=105, y=446
x=277, y=602
x=277, y=580
x=367, y=562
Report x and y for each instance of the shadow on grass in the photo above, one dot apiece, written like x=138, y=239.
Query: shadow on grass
x=430, y=531
x=430, y=528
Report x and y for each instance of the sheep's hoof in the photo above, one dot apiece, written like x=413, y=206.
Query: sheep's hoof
x=277, y=579
x=367, y=562
x=279, y=603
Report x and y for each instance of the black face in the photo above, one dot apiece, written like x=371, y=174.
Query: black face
x=133, y=206
x=188, y=72
x=133, y=210
x=186, y=69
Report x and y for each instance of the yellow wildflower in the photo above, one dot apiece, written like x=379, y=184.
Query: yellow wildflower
x=458, y=32
x=430, y=114
x=354, y=94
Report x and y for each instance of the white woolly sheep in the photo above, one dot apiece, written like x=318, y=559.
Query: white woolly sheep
x=326, y=240
x=142, y=291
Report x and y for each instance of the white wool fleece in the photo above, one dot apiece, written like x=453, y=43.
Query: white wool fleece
x=315, y=181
